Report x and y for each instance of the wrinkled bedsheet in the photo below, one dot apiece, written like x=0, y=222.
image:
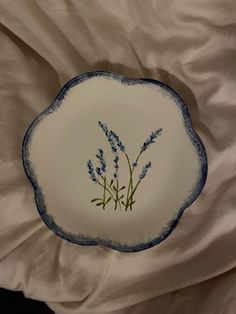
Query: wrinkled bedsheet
x=190, y=45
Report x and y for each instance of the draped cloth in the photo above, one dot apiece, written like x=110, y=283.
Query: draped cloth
x=189, y=45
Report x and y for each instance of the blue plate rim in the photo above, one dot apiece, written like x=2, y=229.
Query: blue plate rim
x=86, y=240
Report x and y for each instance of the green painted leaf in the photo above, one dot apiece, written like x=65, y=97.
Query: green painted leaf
x=123, y=203
x=111, y=182
x=123, y=187
x=121, y=197
x=98, y=204
x=96, y=199
x=114, y=188
x=108, y=200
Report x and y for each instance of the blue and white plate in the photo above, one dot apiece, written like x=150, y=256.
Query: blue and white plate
x=114, y=161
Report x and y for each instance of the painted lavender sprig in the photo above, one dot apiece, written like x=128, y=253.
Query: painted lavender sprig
x=91, y=171
x=118, y=141
x=116, y=145
x=100, y=174
x=142, y=175
x=101, y=158
x=113, y=189
x=150, y=140
x=145, y=170
x=116, y=166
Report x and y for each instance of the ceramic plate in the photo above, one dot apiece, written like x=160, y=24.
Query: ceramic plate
x=114, y=161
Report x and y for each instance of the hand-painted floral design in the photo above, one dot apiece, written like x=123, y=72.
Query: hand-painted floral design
x=112, y=190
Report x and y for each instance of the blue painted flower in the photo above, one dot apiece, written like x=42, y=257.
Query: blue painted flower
x=112, y=137
x=101, y=157
x=134, y=164
x=145, y=170
x=99, y=171
x=150, y=139
x=116, y=165
x=108, y=135
x=118, y=141
x=103, y=127
x=112, y=142
x=91, y=171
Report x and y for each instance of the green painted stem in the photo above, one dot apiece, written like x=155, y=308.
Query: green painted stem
x=107, y=190
x=130, y=181
x=110, y=191
x=131, y=196
x=104, y=193
x=130, y=186
x=117, y=186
